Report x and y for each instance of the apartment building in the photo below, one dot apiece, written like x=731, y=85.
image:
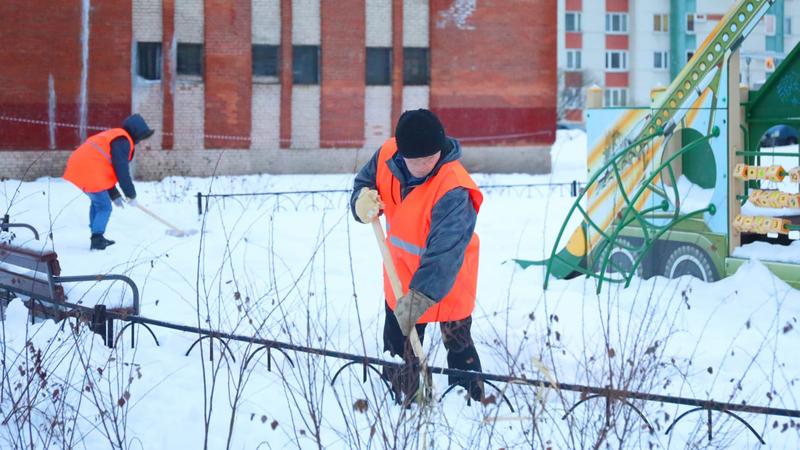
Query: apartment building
x=627, y=47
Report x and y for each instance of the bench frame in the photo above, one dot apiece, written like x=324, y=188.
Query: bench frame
x=44, y=287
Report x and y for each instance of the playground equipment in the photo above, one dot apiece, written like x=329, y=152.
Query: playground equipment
x=683, y=187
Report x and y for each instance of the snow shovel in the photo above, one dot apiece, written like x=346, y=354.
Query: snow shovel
x=173, y=230
x=397, y=288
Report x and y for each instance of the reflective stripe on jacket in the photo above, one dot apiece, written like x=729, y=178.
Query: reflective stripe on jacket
x=408, y=225
x=89, y=167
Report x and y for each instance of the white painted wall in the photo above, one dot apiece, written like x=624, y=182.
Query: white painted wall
x=305, y=116
x=594, y=40
x=189, y=15
x=266, y=23
x=189, y=116
x=306, y=30
x=416, y=23
x=146, y=96
x=378, y=99
x=306, y=22
x=643, y=43
x=379, y=23
x=415, y=97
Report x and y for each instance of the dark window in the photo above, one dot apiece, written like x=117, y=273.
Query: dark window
x=265, y=60
x=190, y=59
x=305, y=64
x=416, y=70
x=379, y=66
x=148, y=60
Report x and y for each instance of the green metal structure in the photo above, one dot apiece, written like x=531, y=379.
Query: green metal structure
x=635, y=220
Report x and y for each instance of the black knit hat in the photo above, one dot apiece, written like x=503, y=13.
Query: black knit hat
x=419, y=133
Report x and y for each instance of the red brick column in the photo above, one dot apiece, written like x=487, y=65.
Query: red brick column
x=228, y=73
x=167, y=83
x=343, y=37
x=109, y=83
x=286, y=74
x=397, y=61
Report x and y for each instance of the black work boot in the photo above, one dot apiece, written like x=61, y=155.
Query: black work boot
x=98, y=242
x=107, y=241
x=466, y=359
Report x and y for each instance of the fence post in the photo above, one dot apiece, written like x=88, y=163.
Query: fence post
x=199, y=204
x=98, y=323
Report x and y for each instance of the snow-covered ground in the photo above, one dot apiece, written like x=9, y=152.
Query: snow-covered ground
x=299, y=269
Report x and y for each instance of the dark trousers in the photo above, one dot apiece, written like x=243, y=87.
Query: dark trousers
x=461, y=354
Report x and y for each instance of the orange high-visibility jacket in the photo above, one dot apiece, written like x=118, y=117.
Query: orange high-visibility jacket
x=89, y=167
x=408, y=223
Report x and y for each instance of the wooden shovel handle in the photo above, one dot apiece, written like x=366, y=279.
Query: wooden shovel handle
x=397, y=288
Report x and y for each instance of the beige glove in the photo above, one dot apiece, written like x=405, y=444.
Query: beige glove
x=410, y=308
x=368, y=205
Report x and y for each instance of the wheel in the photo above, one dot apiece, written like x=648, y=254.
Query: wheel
x=690, y=260
x=621, y=257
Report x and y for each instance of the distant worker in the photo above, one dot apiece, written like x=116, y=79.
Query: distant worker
x=431, y=205
x=98, y=165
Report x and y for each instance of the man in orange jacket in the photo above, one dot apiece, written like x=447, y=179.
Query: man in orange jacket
x=98, y=165
x=431, y=205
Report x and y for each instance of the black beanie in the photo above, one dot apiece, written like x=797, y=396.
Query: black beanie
x=419, y=133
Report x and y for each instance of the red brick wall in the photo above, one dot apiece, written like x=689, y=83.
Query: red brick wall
x=617, y=41
x=342, y=84
x=109, y=86
x=617, y=5
x=499, y=78
x=573, y=40
x=286, y=74
x=616, y=79
x=42, y=38
x=167, y=83
x=574, y=5
x=228, y=74
x=397, y=61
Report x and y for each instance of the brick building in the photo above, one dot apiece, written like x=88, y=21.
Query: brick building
x=247, y=86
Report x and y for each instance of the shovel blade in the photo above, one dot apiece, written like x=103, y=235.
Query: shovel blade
x=180, y=233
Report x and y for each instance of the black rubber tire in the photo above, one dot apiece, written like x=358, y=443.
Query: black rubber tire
x=690, y=260
x=623, y=257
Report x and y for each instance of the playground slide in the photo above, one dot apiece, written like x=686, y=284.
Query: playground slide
x=623, y=164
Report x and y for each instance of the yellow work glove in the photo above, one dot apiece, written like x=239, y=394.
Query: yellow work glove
x=368, y=205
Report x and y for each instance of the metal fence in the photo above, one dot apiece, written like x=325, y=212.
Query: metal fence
x=332, y=198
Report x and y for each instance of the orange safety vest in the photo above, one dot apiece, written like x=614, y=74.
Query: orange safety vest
x=408, y=223
x=89, y=166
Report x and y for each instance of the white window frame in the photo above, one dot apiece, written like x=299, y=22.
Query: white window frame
x=770, y=24
x=663, y=23
x=574, y=59
x=664, y=60
x=623, y=23
x=615, y=97
x=623, y=59
x=690, y=19
x=577, y=21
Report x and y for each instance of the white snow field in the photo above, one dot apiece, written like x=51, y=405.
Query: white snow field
x=299, y=269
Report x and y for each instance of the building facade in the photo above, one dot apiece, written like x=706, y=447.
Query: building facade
x=276, y=85
x=628, y=47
